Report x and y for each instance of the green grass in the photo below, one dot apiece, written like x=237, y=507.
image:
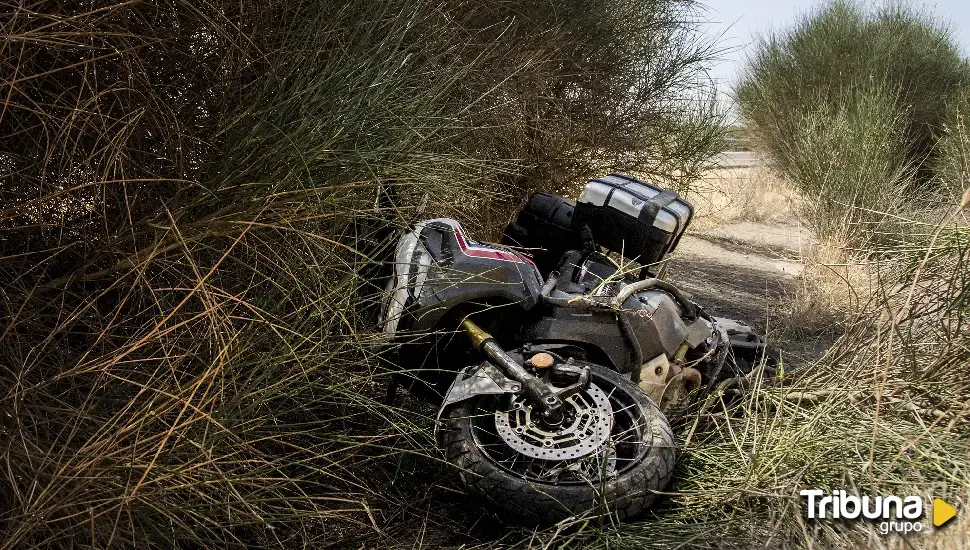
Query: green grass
x=850, y=166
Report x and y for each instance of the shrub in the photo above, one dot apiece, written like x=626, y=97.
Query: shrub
x=952, y=166
x=191, y=198
x=847, y=162
x=849, y=105
x=843, y=52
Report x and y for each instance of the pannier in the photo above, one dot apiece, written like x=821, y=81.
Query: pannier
x=639, y=220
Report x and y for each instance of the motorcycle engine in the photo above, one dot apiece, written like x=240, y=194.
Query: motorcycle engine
x=657, y=319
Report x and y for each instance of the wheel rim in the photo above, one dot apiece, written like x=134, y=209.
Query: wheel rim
x=584, y=429
x=510, y=436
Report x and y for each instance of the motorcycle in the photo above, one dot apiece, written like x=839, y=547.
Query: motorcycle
x=554, y=354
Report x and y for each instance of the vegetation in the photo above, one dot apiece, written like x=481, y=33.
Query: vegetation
x=849, y=104
x=952, y=165
x=864, y=113
x=882, y=413
x=736, y=138
x=192, y=196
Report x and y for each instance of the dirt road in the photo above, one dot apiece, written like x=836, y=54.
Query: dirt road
x=738, y=159
x=747, y=263
x=740, y=270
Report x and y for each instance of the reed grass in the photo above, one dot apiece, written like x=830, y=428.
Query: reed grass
x=194, y=201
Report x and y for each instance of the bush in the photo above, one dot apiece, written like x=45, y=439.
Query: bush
x=841, y=53
x=192, y=196
x=952, y=167
x=849, y=105
x=847, y=163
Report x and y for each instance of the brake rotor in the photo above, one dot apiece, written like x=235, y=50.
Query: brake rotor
x=588, y=420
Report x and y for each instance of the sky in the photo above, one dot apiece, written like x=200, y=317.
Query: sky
x=742, y=20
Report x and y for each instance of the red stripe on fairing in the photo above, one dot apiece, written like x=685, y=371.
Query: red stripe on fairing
x=481, y=252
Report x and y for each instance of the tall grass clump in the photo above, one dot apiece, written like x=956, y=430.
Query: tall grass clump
x=849, y=104
x=844, y=52
x=952, y=164
x=847, y=161
x=193, y=199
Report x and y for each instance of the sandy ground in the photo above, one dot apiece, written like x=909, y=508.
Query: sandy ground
x=744, y=256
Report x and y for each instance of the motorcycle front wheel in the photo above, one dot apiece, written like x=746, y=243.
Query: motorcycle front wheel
x=609, y=454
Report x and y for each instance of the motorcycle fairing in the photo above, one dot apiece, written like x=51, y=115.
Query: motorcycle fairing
x=437, y=267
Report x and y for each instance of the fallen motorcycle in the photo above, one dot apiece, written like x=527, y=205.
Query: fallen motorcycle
x=554, y=354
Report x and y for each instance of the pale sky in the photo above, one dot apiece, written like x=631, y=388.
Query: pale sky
x=741, y=21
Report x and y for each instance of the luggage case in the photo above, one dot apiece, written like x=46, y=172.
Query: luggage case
x=544, y=228
x=639, y=220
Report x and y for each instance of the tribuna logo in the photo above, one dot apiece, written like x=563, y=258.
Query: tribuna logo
x=896, y=514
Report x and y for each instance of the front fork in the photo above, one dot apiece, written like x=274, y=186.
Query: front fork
x=541, y=393
x=502, y=373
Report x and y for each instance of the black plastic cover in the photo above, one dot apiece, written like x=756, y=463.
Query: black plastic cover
x=544, y=227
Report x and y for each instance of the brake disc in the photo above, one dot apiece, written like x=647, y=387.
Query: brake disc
x=588, y=420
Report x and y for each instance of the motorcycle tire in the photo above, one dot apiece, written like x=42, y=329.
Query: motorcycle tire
x=640, y=445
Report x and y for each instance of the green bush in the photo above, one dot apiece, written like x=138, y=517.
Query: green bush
x=952, y=164
x=847, y=162
x=843, y=51
x=191, y=198
x=849, y=104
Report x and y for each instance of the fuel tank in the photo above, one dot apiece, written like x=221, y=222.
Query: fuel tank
x=655, y=316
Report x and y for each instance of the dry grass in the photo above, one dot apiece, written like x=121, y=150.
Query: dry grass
x=195, y=199
x=730, y=195
x=745, y=203
x=833, y=286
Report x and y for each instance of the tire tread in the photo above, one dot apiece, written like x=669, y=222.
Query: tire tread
x=626, y=496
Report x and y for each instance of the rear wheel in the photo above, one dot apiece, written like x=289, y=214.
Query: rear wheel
x=610, y=453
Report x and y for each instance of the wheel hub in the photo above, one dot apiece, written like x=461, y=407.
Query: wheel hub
x=585, y=428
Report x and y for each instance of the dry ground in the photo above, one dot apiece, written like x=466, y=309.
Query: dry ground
x=748, y=256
